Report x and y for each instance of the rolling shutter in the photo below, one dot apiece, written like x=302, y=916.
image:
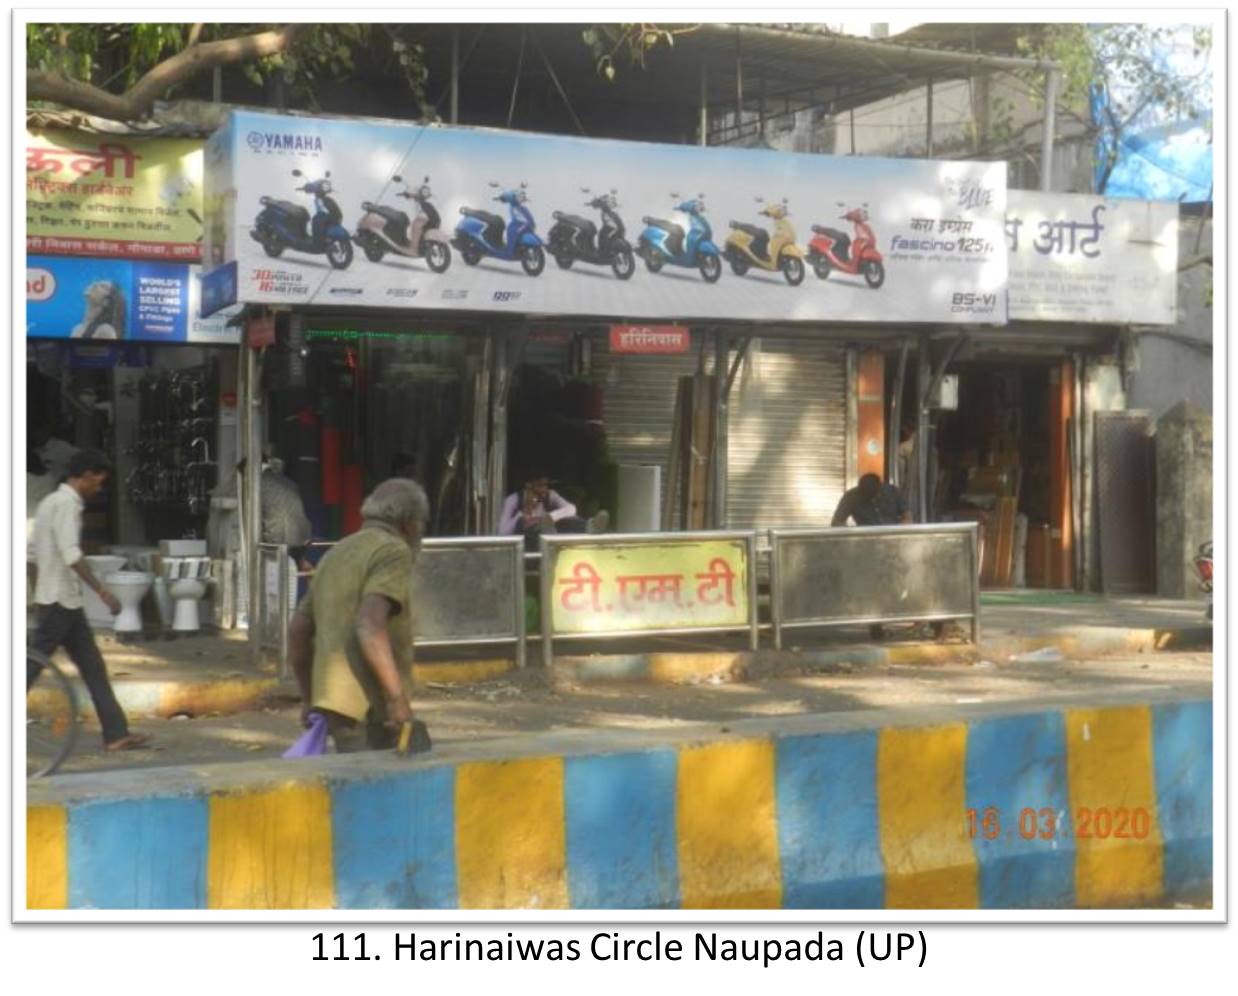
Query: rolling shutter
x=786, y=447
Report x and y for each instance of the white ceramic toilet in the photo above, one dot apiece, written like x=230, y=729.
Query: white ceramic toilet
x=129, y=587
x=163, y=601
x=187, y=580
x=98, y=614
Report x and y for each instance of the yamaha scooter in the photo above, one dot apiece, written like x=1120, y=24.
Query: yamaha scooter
x=283, y=225
x=575, y=238
x=664, y=242
x=481, y=234
x=384, y=229
x=835, y=250
x=751, y=245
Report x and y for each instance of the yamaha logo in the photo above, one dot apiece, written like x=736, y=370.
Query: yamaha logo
x=283, y=141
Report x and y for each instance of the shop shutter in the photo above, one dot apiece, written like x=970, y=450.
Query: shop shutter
x=638, y=397
x=786, y=447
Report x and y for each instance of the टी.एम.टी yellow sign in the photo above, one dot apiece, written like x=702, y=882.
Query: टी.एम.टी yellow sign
x=113, y=195
x=619, y=588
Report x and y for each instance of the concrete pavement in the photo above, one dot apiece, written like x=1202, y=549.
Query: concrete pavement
x=208, y=674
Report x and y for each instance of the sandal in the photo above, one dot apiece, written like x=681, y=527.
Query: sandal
x=132, y=741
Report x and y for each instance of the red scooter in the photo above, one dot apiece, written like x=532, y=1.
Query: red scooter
x=835, y=250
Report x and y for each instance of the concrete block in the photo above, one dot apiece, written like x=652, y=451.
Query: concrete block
x=956, y=807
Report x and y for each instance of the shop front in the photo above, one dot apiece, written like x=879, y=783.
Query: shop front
x=1024, y=427
x=698, y=389
x=119, y=357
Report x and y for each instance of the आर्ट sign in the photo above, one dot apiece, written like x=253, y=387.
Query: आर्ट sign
x=646, y=586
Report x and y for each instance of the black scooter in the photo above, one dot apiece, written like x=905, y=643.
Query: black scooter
x=575, y=238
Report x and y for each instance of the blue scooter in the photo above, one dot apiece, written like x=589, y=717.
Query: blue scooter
x=481, y=234
x=663, y=242
x=283, y=225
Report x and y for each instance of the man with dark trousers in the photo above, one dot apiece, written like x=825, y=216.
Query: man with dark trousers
x=62, y=570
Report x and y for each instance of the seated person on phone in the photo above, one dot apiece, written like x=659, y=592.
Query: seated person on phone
x=537, y=509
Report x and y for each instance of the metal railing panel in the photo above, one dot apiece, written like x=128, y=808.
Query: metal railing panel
x=874, y=574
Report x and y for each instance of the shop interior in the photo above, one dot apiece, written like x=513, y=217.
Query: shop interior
x=556, y=424
x=992, y=460
x=154, y=411
x=348, y=407
x=166, y=421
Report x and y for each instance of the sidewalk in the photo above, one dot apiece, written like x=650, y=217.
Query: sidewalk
x=213, y=674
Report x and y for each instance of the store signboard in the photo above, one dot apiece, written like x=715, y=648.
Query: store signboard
x=863, y=240
x=655, y=339
x=632, y=588
x=113, y=196
x=100, y=300
x=1080, y=258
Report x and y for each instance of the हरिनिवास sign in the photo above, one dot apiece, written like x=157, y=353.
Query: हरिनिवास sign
x=621, y=588
x=658, y=339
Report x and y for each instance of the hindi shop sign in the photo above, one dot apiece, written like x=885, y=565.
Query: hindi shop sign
x=632, y=587
x=113, y=196
x=404, y=216
x=1080, y=258
x=650, y=339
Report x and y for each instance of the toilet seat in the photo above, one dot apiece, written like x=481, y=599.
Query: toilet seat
x=186, y=579
x=129, y=587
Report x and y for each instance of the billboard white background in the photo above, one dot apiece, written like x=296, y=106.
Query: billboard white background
x=1079, y=258
x=934, y=273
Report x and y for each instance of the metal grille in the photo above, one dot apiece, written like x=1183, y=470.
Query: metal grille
x=1125, y=478
x=786, y=452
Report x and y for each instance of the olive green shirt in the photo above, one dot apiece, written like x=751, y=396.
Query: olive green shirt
x=372, y=561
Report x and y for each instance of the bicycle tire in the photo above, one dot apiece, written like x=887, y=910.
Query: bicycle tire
x=47, y=751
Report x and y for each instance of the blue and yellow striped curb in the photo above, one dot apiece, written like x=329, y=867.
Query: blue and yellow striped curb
x=985, y=813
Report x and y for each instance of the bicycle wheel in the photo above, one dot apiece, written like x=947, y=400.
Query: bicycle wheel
x=53, y=724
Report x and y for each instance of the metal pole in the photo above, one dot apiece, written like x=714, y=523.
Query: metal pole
x=251, y=452
x=704, y=124
x=852, y=114
x=500, y=386
x=739, y=85
x=455, y=75
x=546, y=570
x=924, y=372
x=721, y=386
x=928, y=126
x=761, y=108
x=1049, y=127
x=896, y=407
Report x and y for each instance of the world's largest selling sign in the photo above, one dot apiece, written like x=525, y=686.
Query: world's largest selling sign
x=309, y=211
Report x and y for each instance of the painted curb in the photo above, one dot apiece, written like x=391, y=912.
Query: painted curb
x=988, y=811
x=163, y=699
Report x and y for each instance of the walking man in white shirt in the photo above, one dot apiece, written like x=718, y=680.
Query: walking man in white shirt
x=62, y=570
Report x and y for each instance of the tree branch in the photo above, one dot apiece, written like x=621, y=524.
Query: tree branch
x=137, y=101
x=195, y=32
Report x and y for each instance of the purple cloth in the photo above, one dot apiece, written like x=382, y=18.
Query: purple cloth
x=313, y=741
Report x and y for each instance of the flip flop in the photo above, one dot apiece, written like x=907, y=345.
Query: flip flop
x=133, y=741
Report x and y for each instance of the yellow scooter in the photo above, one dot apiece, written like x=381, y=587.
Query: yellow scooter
x=751, y=245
